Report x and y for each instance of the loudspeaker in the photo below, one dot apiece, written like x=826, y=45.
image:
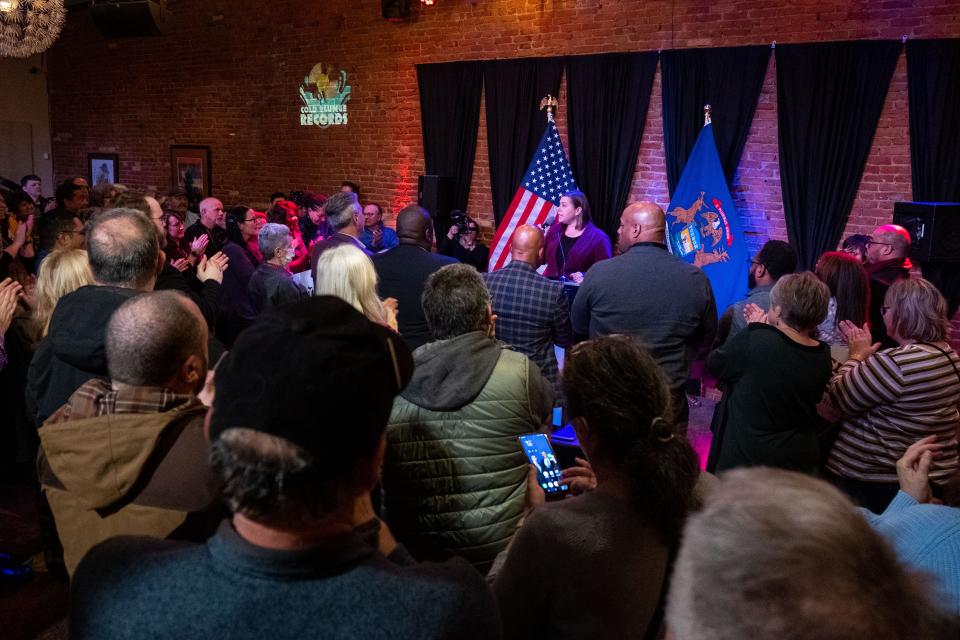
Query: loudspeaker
x=395, y=10
x=435, y=194
x=934, y=229
x=130, y=18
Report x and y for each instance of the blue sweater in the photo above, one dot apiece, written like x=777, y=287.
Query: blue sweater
x=926, y=536
x=138, y=588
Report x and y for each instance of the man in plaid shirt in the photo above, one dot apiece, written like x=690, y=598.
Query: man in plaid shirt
x=532, y=312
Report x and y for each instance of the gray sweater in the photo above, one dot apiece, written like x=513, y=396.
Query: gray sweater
x=228, y=588
x=584, y=567
x=648, y=293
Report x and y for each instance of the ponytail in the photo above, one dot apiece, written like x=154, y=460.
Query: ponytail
x=661, y=475
x=619, y=389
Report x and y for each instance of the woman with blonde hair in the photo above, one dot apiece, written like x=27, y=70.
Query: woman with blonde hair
x=346, y=272
x=890, y=398
x=61, y=272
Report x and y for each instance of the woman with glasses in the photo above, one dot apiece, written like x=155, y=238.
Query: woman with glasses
x=236, y=308
x=177, y=249
x=461, y=243
x=890, y=398
x=574, y=243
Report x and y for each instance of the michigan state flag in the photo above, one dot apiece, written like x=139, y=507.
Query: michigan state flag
x=702, y=223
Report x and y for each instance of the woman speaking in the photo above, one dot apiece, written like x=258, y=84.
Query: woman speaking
x=574, y=243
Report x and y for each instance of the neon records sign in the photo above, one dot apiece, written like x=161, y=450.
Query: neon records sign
x=325, y=94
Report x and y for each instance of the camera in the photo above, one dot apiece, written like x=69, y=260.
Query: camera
x=459, y=220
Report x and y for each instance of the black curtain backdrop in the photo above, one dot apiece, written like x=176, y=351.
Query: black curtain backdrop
x=829, y=98
x=514, y=120
x=607, y=99
x=449, y=118
x=933, y=77
x=729, y=80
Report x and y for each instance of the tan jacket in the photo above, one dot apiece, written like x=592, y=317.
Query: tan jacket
x=125, y=474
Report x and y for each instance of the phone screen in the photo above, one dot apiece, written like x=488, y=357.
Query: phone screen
x=540, y=454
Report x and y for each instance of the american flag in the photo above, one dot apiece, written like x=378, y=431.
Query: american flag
x=548, y=177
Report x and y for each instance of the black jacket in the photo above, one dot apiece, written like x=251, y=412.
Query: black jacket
x=205, y=294
x=402, y=272
x=272, y=286
x=74, y=350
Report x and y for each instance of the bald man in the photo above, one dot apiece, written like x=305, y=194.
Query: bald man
x=212, y=223
x=145, y=424
x=649, y=293
x=887, y=262
x=533, y=313
x=123, y=249
x=403, y=271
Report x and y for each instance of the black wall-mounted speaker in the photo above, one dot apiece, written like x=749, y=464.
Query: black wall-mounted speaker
x=395, y=10
x=130, y=18
x=435, y=194
x=934, y=229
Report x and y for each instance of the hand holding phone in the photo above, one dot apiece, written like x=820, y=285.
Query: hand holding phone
x=540, y=454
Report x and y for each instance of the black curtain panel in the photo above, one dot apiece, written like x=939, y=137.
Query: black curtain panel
x=829, y=98
x=729, y=80
x=933, y=77
x=607, y=99
x=513, y=90
x=449, y=118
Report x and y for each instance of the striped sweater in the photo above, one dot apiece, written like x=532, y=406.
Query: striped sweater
x=889, y=401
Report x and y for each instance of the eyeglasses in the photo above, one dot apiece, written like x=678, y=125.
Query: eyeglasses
x=883, y=244
x=249, y=220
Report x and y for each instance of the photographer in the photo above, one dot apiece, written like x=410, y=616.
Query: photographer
x=461, y=242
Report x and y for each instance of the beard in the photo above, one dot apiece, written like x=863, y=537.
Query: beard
x=751, y=280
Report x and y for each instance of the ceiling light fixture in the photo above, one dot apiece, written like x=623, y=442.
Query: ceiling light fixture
x=28, y=27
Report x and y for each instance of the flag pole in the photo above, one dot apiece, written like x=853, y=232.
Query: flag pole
x=549, y=103
x=707, y=113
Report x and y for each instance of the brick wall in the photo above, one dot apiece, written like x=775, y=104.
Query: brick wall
x=228, y=75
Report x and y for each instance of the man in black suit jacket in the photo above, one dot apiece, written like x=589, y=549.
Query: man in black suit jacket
x=403, y=270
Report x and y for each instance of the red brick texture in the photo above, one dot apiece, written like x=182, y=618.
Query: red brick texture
x=228, y=75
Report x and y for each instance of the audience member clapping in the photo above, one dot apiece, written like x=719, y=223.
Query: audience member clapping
x=610, y=547
x=890, y=397
x=454, y=475
x=128, y=456
x=304, y=552
x=776, y=554
x=271, y=284
x=10, y=292
x=773, y=375
x=202, y=284
x=925, y=535
x=347, y=273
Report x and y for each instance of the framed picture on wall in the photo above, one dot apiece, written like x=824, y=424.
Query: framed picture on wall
x=190, y=170
x=104, y=168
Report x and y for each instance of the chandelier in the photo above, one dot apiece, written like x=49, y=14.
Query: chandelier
x=28, y=27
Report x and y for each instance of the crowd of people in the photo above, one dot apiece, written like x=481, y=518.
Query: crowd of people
x=301, y=421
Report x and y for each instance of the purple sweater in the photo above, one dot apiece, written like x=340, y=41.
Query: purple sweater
x=593, y=245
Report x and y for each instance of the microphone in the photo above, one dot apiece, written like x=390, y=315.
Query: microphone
x=551, y=218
